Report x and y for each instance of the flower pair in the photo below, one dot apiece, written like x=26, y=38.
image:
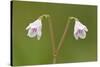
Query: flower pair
x=35, y=29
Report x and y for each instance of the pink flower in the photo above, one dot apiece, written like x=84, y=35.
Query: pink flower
x=79, y=30
x=34, y=29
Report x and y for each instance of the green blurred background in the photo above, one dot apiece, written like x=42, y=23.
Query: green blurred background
x=30, y=51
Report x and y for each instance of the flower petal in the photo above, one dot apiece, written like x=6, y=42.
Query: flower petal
x=76, y=37
x=82, y=35
x=34, y=29
x=29, y=26
x=31, y=34
x=39, y=34
x=79, y=25
x=85, y=28
x=79, y=30
x=37, y=23
x=76, y=27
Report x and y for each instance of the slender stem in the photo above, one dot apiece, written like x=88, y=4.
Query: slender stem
x=52, y=35
x=64, y=34
x=52, y=39
x=56, y=51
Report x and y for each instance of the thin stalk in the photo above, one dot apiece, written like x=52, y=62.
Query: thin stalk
x=63, y=37
x=52, y=39
x=51, y=35
x=56, y=51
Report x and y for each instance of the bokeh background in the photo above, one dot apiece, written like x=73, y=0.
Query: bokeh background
x=30, y=51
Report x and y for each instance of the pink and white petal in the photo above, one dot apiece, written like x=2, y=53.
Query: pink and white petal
x=29, y=26
x=75, y=27
x=76, y=37
x=39, y=34
x=31, y=34
x=80, y=25
x=82, y=35
x=85, y=28
x=37, y=23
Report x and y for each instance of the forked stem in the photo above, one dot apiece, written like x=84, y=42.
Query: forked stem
x=56, y=51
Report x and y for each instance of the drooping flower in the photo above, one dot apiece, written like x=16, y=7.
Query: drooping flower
x=35, y=29
x=79, y=30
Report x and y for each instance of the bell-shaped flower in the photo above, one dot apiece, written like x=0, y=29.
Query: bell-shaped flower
x=79, y=30
x=35, y=29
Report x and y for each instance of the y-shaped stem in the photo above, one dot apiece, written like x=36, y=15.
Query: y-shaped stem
x=56, y=51
x=52, y=36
